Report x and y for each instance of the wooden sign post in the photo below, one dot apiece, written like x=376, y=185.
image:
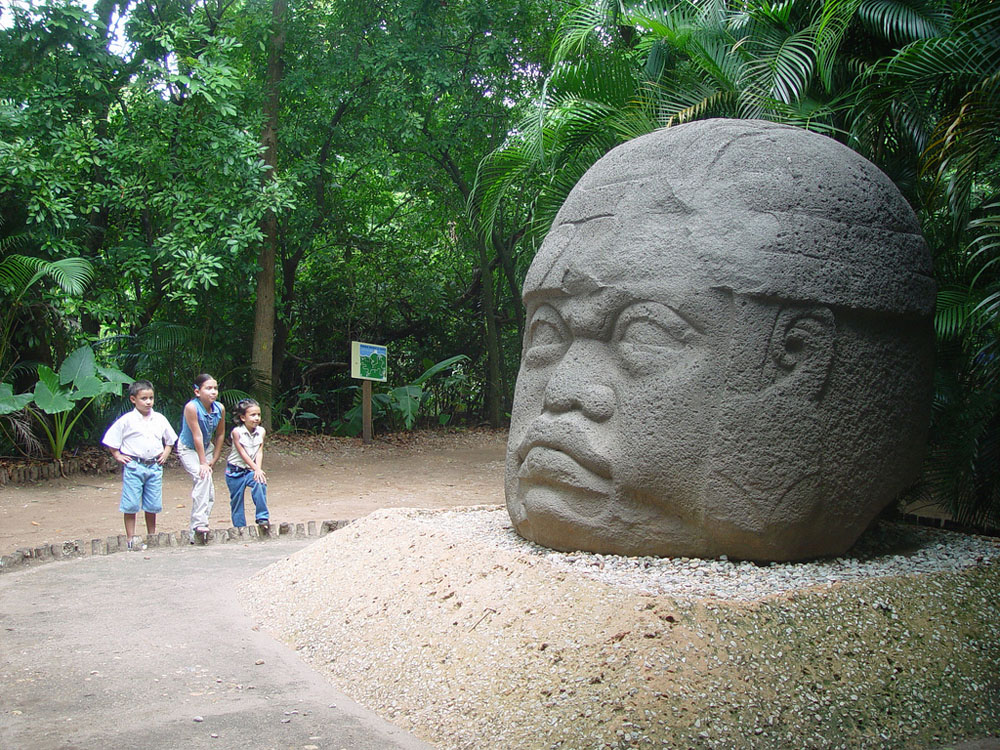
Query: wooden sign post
x=368, y=362
x=366, y=411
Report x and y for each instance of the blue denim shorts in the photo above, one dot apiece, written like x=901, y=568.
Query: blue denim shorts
x=142, y=487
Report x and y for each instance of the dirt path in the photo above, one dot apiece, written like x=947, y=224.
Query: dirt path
x=310, y=478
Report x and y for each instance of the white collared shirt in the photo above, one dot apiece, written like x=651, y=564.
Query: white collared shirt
x=139, y=436
x=251, y=442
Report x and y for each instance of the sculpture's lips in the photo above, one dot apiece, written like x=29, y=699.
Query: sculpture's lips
x=549, y=466
x=556, y=456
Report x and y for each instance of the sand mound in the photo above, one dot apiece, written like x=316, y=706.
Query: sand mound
x=474, y=640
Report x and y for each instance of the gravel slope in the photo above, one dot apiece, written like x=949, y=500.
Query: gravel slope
x=451, y=626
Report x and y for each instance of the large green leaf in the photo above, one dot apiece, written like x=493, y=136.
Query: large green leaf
x=406, y=400
x=50, y=378
x=51, y=401
x=444, y=364
x=9, y=402
x=88, y=386
x=114, y=375
x=78, y=366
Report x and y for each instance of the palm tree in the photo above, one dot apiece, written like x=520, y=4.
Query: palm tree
x=625, y=69
x=18, y=274
x=941, y=95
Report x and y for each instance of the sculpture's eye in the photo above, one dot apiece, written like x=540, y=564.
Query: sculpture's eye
x=648, y=334
x=548, y=337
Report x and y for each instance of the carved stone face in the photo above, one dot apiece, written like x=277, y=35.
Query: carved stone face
x=677, y=396
x=616, y=397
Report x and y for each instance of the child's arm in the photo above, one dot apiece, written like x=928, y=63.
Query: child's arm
x=259, y=476
x=113, y=442
x=162, y=458
x=118, y=455
x=253, y=462
x=191, y=418
x=169, y=437
x=220, y=434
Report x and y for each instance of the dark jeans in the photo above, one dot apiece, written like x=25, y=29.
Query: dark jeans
x=238, y=480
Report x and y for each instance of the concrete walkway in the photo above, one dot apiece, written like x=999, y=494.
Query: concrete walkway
x=153, y=650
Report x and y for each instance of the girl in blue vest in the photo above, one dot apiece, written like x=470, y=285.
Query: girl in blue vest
x=200, y=445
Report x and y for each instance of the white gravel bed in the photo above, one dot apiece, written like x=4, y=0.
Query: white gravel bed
x=890, y=549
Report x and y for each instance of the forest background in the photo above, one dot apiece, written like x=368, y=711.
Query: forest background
x=244, y=187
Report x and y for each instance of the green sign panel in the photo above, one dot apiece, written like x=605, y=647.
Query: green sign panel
x=368, y=361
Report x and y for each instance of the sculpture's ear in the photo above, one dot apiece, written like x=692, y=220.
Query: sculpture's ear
x=802, y=349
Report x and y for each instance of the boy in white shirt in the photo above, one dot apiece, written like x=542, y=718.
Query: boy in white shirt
x=141, y=441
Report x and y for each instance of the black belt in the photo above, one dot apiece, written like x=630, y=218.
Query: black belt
x=143, y=461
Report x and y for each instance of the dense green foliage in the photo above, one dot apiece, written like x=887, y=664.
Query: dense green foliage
x=131, y=138
x=257, y=181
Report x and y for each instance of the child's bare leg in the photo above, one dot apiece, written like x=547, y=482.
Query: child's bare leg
x=130, y=525
x=150, y=522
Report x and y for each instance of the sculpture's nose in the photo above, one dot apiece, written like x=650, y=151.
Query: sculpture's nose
x=577, y=384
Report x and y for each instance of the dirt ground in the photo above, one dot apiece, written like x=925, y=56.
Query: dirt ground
x=310, y=478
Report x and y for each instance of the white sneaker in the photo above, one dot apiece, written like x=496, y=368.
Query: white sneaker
x=136, y=543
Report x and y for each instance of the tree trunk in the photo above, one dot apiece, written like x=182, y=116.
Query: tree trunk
x=494, y=389
x=262, y=357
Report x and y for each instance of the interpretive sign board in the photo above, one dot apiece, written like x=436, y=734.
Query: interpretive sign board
x=368, y=361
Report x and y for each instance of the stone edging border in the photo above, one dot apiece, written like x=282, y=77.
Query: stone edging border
x=26, y=556
x=42, y=470
x=30, y=556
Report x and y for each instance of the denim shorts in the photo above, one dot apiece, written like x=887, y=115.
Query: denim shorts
x=142, y=487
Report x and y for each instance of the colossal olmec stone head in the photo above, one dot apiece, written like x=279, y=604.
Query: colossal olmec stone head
x=728, y=350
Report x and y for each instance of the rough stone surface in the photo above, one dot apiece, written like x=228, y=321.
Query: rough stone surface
x=728, y=350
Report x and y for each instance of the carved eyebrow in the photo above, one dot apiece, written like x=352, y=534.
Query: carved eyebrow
x=656, y=311
x=686, y=318
x=546, y=312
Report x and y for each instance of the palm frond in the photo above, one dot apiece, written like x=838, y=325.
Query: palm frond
x=902, y=21
x=612, y=81
x=781, y=68
x=981, y=29
x=499, y=173
x=161, y=336
x=13, y=242
x=71, y=274
x=964, y=140
x=20, y=272
x=584, y=26
x=833, y=23
x=952, y=312
x=553, y=194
